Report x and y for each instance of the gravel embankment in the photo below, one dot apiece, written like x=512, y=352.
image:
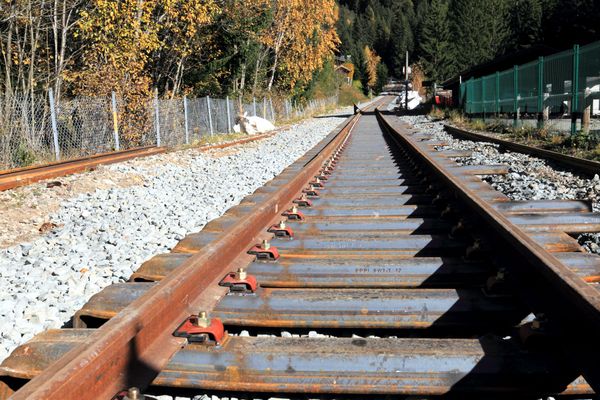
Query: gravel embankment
x=529, y=178
x=101, y=236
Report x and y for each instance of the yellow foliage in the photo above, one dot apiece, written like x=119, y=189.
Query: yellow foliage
x=372, y=60
x=302, y=37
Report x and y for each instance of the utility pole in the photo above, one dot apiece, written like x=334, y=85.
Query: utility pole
x=406, y=83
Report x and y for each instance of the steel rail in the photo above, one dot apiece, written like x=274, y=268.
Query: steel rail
x=584, y=298
x=133, y=347
x=579, y=164
x=13, y=178
x=375, y=253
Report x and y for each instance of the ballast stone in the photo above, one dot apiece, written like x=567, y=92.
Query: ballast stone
x=529, y=178
x=103, y=237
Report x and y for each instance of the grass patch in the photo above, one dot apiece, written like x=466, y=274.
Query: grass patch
x=581, y=144
x=349, y=95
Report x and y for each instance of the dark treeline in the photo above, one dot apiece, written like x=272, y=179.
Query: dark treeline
x=449, y=36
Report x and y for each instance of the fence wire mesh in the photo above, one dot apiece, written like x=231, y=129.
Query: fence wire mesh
x=562, y=90
x=24, y=133
x=39, y=129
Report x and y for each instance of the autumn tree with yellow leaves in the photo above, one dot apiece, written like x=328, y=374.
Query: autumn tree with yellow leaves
x=372, y=60
x=134, y=47
x=301, y=38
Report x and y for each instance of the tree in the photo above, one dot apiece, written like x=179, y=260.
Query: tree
x=301, y=39
x=180, y=35
x=435, y=45
x=382, y=77
x=479, y=30
x=372, y=61
x=526, y=23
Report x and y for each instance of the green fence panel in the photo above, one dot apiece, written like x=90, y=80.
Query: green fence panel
x=545, y=84
x=589, y=76
x=506, y=92
x=558, y=82
x=477, y=104
x=528, y=88
x=489, y=89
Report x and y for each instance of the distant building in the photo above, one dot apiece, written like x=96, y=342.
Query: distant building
x=347, y=71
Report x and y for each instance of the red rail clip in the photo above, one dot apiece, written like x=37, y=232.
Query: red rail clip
x=293, y=214
x=316, y=183
x=302, y=201
x=265, y=252
x=240, y=282
x=281, y=230
x=313, y=193
x=201, y=329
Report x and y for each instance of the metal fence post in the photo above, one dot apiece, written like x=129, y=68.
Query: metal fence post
x=575, y=90
x=156, y=118
x=264, y=108
x=272, y=110
x=516, y=95
x=115, y=121
x=254, y=105
x=540, y=88
x=54, y=126
x=210, y=124
x=228, y=115
x=185, y=117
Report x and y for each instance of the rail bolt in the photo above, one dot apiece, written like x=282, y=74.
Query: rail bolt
x=293, y=214
x=264, y=251
x=240, y=282
x=281, y=230
x=201, y=329
x=203, y=321
x=303, y=201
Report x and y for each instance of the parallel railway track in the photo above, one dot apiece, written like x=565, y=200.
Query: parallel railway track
x=581, y=165
x=424, y=279
x=12, y=178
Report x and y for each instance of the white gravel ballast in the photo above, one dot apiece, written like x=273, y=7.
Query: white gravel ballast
x=529, y=178
x=102, y=237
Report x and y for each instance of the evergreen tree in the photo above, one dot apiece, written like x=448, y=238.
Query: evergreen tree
x=526, y=24
x=435, y=46
x=480, y=31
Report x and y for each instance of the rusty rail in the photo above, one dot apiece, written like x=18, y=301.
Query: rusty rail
x=10, y=179
x=578, y=164
x=133, y=347
x=381, y=234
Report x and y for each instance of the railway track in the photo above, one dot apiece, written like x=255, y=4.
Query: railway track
x=12, y=178
x=582, y=165
x=419, y=278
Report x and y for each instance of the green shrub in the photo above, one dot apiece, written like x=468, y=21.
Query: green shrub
x=478, y=125
x=24, y=156
x=455, y=116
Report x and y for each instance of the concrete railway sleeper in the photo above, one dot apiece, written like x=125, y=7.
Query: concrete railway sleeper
x=427, y=281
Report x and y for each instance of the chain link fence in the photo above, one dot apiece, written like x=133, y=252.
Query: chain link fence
x=561, y=90
x=36, y=129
